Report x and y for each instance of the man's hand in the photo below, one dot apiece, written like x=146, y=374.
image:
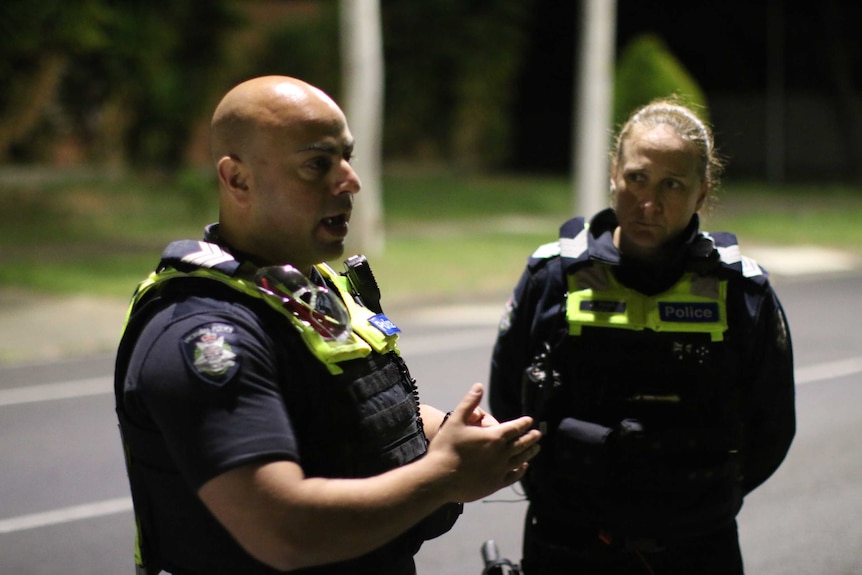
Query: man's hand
x=482, y=418
x=480, y=454
x=290, y=521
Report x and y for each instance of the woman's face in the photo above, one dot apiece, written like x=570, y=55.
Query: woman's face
x=656, y=187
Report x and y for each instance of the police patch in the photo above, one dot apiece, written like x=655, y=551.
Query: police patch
x=209, y=351
x=688, y=312
x=508, y=313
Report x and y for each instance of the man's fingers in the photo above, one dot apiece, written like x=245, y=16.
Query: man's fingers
x=522, y=457
x=518, y=428
x=464, y=411
x=514, y=475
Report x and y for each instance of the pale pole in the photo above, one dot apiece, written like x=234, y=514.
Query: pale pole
x=362, y=74
x=593, y=100
x=775, y=104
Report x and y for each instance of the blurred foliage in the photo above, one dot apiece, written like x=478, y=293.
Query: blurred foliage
x=448, y=97
x=132, y=82
x=452, y=69
x=128, y=82
x=646, y=70
x=121, y=80
x=304, y=46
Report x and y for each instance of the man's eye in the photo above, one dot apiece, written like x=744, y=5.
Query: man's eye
x=320, y=164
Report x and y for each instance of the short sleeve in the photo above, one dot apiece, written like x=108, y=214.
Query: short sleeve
x=205, y=373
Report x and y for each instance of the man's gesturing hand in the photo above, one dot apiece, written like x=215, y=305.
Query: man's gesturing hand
x=480, y=459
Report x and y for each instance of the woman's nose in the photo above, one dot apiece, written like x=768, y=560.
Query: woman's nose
x=649, y=199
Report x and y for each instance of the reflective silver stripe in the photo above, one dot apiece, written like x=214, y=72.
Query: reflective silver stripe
x=547, y=250
x=750, y=268
x=733, y=255
x=574, y=247
x=210, y=255
x=729, y=254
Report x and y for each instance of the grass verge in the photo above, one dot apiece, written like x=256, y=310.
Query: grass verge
x=448, y=237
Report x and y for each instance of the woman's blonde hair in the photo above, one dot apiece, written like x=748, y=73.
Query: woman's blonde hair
x=685, y=122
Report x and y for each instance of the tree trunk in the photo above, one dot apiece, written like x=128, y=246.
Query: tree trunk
x=29, y=95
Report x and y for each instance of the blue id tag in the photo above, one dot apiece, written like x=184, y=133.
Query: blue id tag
x=384, y=324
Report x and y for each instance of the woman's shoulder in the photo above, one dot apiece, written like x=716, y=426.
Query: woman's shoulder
x=733, y=260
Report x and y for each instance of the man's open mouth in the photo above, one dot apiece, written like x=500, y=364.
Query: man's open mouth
x=338, y=220
x=336, y=225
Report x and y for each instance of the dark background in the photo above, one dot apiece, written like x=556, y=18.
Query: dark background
x=725, y=46
x=473, y=85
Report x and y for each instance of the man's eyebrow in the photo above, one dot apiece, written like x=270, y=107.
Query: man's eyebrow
x=327, y=147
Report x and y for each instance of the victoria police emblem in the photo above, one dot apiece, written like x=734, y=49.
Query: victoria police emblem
x=209, y=352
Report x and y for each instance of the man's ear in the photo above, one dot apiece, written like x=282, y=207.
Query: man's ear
x=235, y=178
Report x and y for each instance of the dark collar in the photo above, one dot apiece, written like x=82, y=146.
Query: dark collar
x=651, y=277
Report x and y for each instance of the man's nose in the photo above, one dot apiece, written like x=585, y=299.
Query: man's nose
x=349, y=181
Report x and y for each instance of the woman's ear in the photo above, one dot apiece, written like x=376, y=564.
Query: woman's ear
x=701, y=197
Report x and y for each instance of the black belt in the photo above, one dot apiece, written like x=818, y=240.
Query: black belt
x=563, y=533
x=647, y=544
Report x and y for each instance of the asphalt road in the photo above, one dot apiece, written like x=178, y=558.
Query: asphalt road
x=64, y=506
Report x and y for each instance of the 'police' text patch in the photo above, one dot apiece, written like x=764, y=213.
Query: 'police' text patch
x=688, y=312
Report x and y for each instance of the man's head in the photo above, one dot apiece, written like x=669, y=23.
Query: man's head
x=282, y=151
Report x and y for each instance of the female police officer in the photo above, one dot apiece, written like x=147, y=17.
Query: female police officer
x=268, y=421
x=658, y=360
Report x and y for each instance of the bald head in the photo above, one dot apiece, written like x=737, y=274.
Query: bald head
x=252, y=108
x=282, y=150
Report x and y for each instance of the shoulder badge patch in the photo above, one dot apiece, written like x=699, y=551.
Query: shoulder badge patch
x=508, y=312
x=210, y=352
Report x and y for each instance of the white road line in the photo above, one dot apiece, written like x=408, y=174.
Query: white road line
x=99, y=385
x=66, y=514
x=52, y=391
x=828, y=370
x=419, y=346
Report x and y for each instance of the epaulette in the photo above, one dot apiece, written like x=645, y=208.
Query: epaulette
x=571, y=245
x=731, y=258
x=186, y=254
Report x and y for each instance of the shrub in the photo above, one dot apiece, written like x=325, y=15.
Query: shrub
x=646, y=70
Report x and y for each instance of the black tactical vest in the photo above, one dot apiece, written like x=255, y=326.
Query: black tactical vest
x=643, y=424
x=360, y=422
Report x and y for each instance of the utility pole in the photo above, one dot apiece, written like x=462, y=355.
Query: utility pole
x=775, y=97
x=593, y=100
x=362, y=74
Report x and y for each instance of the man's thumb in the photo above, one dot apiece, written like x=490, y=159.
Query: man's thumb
x=469, y=403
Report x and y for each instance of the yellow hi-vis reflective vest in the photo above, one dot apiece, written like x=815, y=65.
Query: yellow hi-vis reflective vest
x=374, y=444
x=695, y=304
x=362, y=339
